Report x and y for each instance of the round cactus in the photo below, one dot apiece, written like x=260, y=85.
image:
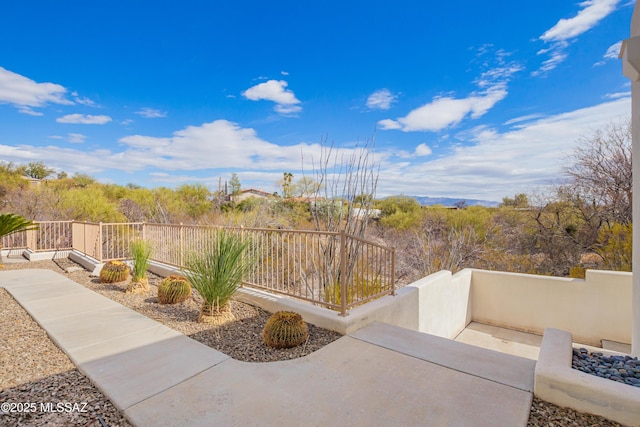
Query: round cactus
x=285, y=329
x=173, y=289
x=114, y=271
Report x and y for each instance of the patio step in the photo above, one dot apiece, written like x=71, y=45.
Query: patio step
x=502, y=368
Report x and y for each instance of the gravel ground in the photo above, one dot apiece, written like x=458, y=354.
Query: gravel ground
x=35, y=370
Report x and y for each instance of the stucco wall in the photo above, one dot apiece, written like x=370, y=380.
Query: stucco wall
x=444, y=303
x=593, y=309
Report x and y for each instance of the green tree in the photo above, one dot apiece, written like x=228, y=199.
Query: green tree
x=196, y=199
x=287, y=188
x=600, y=172
x=400, y=212
x=83, y=180
x=38, y=170
x=305, y=187
x=519, y=201
x=234, y=185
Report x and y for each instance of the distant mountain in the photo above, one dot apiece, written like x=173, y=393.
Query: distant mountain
x=447, y=201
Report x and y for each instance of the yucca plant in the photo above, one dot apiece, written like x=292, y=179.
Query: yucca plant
x=217, y=273
x=141, y=253
x=11, y=223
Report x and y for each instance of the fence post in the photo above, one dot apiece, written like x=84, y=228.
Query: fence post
x=181, y=245
x=393, y=271
x=31, y=239
x=343, y=274
x=101, y=244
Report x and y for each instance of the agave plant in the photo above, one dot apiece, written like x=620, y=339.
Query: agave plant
x=217, y=273
x=141, y=253
x=11, y=223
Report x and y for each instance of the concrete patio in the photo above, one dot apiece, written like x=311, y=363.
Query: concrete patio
x=378, y=375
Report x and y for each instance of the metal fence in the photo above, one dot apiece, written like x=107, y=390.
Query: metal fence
x=50, y=236
x=334, y=270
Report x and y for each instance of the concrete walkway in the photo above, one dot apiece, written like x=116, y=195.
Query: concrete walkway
x=380, y=375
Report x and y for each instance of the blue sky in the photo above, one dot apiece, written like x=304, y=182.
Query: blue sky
x=477, y=100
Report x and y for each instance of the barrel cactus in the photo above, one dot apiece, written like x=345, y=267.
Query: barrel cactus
x=285, y=329
x=173, y=289
x=114, y=271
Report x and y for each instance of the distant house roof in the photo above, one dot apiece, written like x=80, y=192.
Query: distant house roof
x=251, y=192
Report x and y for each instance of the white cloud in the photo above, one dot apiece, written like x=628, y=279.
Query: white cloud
x=497, y=164
x=381, y=99
x=219, y=144
x=520, y=119
x=447, y=111
x=151, y=113
x=76, y=138
x=275, y=91
x=287, y=110
x=593, y=11
x=590, y=15
x=487, y=164
x=612, y=53
x=24, y=92
x=617, y=95
x=28, y=110
x=83, y=101
x=84, y=119
x=388, y=124
x=423, y=150
x=284, y=73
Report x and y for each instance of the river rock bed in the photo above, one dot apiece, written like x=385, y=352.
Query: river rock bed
x=622, y=369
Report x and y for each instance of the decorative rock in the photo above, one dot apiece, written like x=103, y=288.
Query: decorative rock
x=617, y=368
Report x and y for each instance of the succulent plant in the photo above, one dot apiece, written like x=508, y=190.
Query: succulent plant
x=114, y=271
x=285, y=329
x=173, y=289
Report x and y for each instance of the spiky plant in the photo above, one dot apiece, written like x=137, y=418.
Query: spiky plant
x=217, y=273
x=12, y=223
x=114, y=271
x=285, y=329
x=141, y=253
x=173, y=289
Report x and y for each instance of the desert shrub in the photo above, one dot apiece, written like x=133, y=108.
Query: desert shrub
x=359, y=289
x=285, y=329
x=217, y=273
x=577, y=272
x=615, y=247
x=114, y=271
x=141, y=253
x=174, y=289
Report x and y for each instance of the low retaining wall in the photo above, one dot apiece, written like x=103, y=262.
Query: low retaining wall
x=557, y=382
x=594, y=309
x=442, y=304
x=438, y=304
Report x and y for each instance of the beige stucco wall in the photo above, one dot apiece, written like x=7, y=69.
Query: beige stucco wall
x=635, y=122
x=593, y=309
x=444, y=303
